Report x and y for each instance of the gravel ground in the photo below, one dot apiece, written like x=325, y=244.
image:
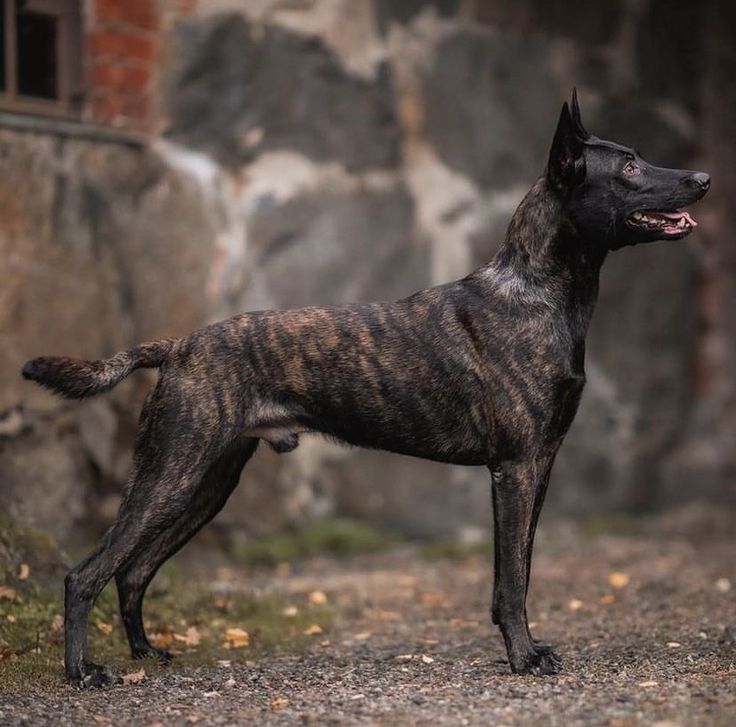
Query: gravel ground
x=646, y=628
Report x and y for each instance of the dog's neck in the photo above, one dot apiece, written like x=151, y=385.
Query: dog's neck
x=543, y=257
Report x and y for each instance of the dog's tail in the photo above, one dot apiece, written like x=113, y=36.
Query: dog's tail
x=76, y=379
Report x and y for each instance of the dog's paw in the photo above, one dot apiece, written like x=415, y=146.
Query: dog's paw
x=93, y=676
x=539, y=663
x=151, y=652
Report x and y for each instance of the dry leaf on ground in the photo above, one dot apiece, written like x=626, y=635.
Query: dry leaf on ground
x=575, y=604
x=7, y=592
x=104, y=627
x=134, y=677
x=162, y=640
x=618, y=579
x=192, y=637
x=313, y=630
x=24, y=571
x=236, y=639
x=279, y=703
x=317, y=598
x=381, y=615
x=290, y=611
x=57, y=622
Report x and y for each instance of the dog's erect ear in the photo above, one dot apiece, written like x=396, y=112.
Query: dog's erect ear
x=575, y=108
x=566, y=166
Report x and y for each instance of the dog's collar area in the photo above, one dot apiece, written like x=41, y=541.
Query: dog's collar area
x=672, y=224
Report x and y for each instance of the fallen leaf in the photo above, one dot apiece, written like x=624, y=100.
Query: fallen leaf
x=162, y=640
x=381, y=615
x=317, y=598
x=7, y=592
x=134, y=677
x=24, y=571
x=434, y=599
x=104, y=627
x=427, y=659
x=224, y=663
x=313, y=630
x=191, y=638
x=362, y=636
x=57, y=622
x=608, y=598
x=279, y=703
x=11, y=618
x=236, y=638
x=404, y=657
x=648, y=684
x=673, y=645
x=723, y=585
x=290, y=611
x=618, y=579
x=575, y=604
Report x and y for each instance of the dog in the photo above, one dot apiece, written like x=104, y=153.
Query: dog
x=484, y=371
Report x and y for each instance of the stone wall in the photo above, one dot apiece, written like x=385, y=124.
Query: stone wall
x=323, y=151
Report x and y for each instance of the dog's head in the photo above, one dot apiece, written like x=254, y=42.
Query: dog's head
x=611, y=195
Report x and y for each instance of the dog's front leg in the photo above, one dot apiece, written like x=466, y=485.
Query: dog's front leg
x=518, y=491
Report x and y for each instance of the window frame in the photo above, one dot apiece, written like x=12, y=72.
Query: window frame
x=68, y=103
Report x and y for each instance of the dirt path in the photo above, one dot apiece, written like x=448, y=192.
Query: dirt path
x=411, y=645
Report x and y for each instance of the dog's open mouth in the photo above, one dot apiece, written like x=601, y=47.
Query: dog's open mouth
x=670, y=224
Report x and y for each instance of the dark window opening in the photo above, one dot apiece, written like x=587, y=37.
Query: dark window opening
x=40, y=56
x=37, y=53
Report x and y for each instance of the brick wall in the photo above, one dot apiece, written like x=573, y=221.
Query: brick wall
x=122, y=56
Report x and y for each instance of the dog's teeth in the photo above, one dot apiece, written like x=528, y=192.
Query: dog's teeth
x=637, y=215
x=682, y=222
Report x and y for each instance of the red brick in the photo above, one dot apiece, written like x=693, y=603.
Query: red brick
x=122, y=44
x=119, y=77
x=139, y=13
x=131, y=112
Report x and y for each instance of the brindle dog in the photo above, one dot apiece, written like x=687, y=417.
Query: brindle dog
x=487, y=371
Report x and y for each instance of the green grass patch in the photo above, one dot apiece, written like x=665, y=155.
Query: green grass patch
x=180, y=607
x=339, y=537
x=617, y=523
x=455, y=550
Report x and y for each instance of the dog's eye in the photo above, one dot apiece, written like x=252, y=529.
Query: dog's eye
x=631, y=169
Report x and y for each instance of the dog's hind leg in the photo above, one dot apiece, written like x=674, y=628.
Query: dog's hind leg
x=171, y=457
x=134, y=577
x=517, y=499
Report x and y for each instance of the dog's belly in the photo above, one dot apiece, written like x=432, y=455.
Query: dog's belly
x=452, y=445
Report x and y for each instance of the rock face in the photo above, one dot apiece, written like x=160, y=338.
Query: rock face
x=234, y=91
x=297, y=168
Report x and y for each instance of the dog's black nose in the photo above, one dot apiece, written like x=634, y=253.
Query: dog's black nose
x=702, y=180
